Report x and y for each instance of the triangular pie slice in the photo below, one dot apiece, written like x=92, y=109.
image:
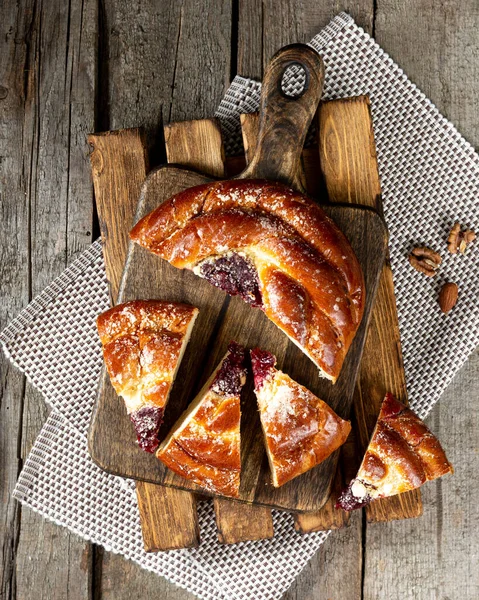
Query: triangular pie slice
x=300, y=430
x=204, y=444
x=401, y=456
x=143, y=344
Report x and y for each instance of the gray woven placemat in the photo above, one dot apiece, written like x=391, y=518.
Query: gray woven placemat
x=430, y=178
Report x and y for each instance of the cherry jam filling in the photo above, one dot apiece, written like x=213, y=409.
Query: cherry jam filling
x=348, y=501
x=147, y=422
x=236, y=275
x=229, y=378
x=262, y=363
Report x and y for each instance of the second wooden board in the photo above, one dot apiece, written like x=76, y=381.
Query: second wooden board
x=221, y=319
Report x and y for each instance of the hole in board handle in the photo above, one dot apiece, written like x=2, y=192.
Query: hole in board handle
x=294, y=81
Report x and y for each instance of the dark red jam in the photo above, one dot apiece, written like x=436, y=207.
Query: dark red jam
x=147, y=422
x=230, y=377
x=236, y=275
x=348, y=501
x=262, y=363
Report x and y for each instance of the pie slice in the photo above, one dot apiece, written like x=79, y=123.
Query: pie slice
x=143, y=344
x=204, y=444
x=300, y=430
x=401, y=456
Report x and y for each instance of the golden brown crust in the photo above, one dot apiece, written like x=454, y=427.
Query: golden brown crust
x=222, y=481
x=204, y=444
x=142, y=315
x=300, y=430
x=282, y=234
x=142, y=343
x=410, y=428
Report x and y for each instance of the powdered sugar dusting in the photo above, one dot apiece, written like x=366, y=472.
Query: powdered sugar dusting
x=280, y=407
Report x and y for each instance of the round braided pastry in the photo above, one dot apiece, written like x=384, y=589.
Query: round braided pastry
x=275, y=248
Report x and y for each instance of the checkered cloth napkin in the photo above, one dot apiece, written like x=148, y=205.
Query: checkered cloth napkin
x=430, y=179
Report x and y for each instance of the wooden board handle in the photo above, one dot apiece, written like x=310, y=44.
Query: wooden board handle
x=284, y=118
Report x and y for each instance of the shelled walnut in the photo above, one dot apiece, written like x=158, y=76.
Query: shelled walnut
x=425, y=260
x=459, y=240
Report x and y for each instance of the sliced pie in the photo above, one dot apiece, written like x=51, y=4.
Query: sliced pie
x=401, y=456
x=204, y=444
x=143, y=344
x=276, y=249
x=300, y=430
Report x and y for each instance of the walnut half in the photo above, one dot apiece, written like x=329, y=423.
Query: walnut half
x=425, y=260
x=459, y=240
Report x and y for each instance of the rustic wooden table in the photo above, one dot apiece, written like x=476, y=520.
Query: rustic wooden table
x=70, y=68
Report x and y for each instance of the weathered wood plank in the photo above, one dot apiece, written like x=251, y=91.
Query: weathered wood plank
x=115, y=153
x=48, y=81
x=168, y=61
x=160, y=530
x=334, y=573
x=172, y=60
x=119, y=166
x=196, y=145
x=266, y=26
x=15, y=272
x=437, y=555
x=344, y=134
x=242, y=522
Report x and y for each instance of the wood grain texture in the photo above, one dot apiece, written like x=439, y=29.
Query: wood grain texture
x=16, y=272
x=334, y=572
x=348, y=161
x=47, y=82
x=284, y=120
x=238, y=522
x=196, y=145
x=119, y=164
x=347, y=152
x=266, y=26
x=168, y=517
x=167, y=60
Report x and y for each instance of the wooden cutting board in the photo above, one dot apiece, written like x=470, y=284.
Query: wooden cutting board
x=119, y=163
x=112, y=440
